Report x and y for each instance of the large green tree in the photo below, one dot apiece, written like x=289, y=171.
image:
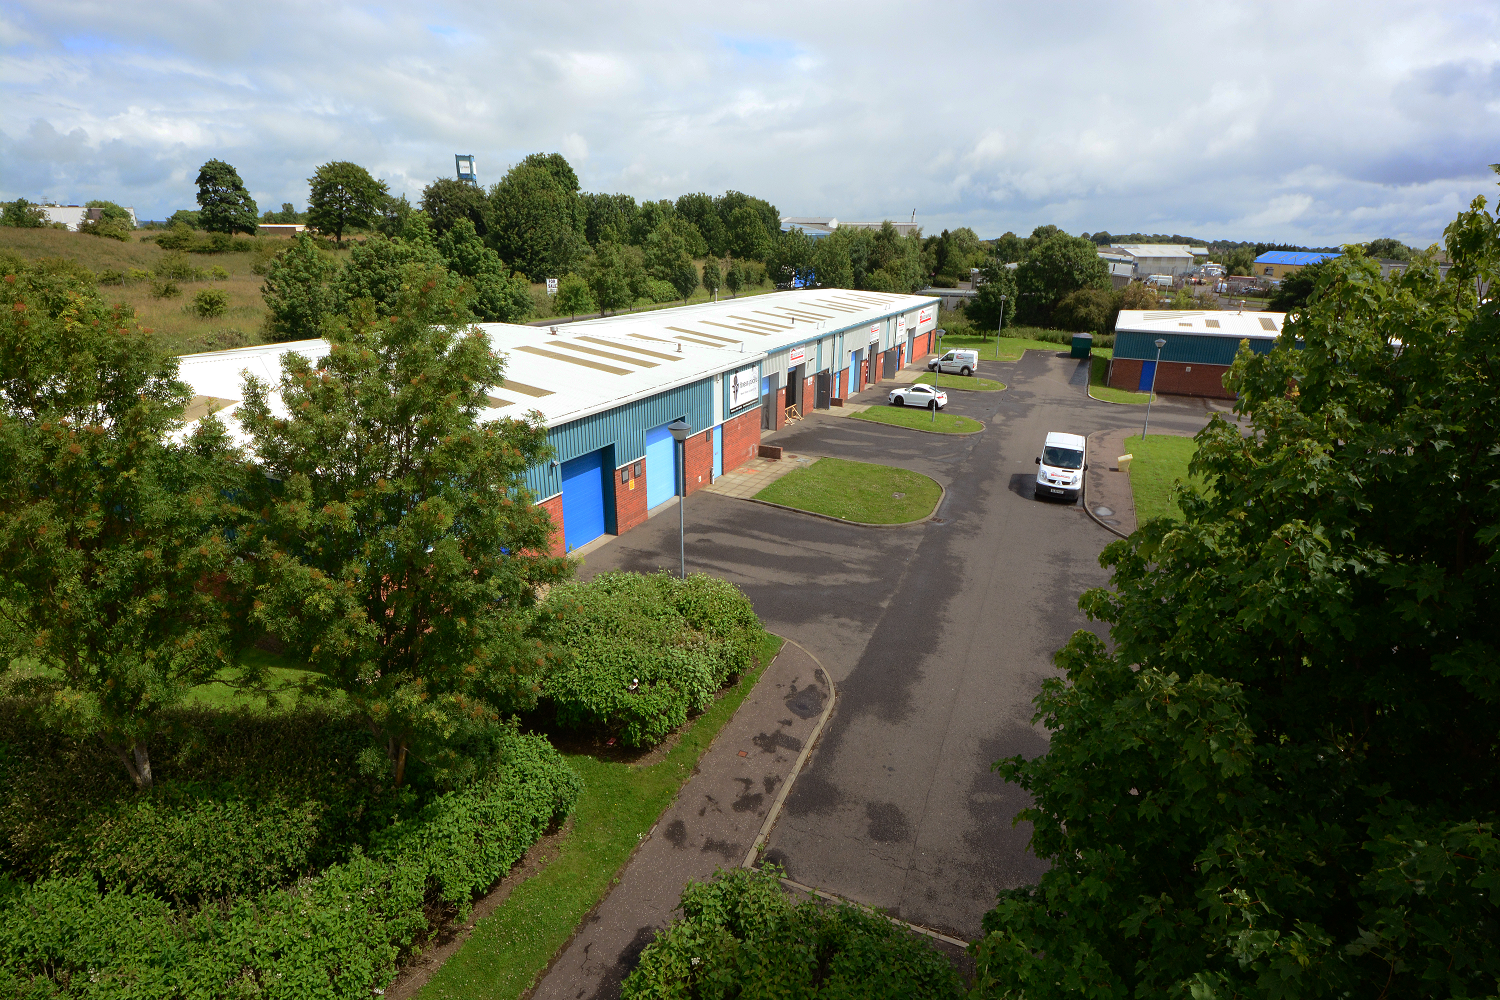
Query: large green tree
x=114, y=530
x=298, y=290
x=790, y=257
x=1055, y=265
x=398, y=547
x=224, y=206
x=1296, y=288
x=344, y=196
x=23, y=215
x=495, y=293
x=1280, y=779
x=536, y=217
x=446, y=200
x=616, y=274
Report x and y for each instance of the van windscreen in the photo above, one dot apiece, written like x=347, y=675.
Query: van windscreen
x=1062, y=458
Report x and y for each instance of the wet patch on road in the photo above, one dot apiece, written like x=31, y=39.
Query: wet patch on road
x=806, y=702
x=676, y=833
x=812, y=795
x=888, y=823
x=771, y=742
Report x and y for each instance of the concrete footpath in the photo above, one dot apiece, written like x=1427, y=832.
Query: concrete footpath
x=714, y=823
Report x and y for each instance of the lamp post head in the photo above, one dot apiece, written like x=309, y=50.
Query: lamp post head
x=680, y=430
x=1160, y=343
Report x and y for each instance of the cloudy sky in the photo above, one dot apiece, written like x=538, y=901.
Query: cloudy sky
x=1308, y=123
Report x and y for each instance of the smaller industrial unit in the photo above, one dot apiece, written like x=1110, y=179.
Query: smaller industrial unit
x=1199, y=348
x=607, y=389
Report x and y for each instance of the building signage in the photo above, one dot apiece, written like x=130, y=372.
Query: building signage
x=796, y=356
x=874, y=329
x=744, y=387
x=925, y=316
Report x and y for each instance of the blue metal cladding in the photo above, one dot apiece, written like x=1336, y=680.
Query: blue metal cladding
x=1186, y=348
x=624, y=427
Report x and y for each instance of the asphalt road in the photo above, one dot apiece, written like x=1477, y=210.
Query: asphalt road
x=937, y=636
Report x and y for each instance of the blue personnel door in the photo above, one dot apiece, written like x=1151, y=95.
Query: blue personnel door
x=718, y=451
x=583, y=499
x=1148, y=375
x=661, y=466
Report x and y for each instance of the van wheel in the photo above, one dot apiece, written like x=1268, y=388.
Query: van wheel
x=965, y=372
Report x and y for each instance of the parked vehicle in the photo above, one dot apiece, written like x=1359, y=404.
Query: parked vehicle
x=955, y=363
x=1159, y=281
x=1060, y=467
x=918, y=395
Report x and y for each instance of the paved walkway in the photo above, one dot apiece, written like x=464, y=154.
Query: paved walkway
x=755, y=475
x=1107, y=489
x=713, y=824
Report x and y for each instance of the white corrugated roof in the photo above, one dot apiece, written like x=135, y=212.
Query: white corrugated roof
x=760, y=322
x=1201, y=323
x=597, y=364
x=1154, y=249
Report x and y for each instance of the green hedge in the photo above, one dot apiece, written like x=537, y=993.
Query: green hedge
x=641, y=652
x=335, y=934
x=740, y=936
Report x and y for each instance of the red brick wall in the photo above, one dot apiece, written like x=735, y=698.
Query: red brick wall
x=699, y=458
x=1173, y=378
x=630, y=497
x=741, y=439
x=553, y=508
x=809, y=394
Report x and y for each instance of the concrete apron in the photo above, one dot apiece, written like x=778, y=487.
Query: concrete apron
x=714, y=823
x=1107, y=495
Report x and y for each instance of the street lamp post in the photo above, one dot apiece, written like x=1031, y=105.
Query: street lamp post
x=680, y=430
x=1001, y=329
x=1160, y=343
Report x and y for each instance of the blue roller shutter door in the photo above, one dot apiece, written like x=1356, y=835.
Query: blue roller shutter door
x=583, y=499
x=1148, y=375
x=661, y=466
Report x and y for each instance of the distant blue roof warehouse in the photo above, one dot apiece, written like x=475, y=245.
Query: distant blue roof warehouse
x=1293, y=257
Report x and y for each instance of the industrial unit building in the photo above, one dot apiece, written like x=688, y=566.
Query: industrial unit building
x=1200, y=347
x=606, y=389
x=1277, y=264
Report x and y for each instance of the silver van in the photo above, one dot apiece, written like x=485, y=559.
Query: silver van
x=955, y=363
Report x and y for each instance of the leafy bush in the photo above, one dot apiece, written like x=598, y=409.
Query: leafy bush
x=217, y=273
x=177, y=266
x=179, y=237
x=211, y=302
x=23, y=214
x=739, y=934
x=164, y=289
x=110, y=228
x=660, y=291
x=111, y=276
x=337, y=933
x=642, y=652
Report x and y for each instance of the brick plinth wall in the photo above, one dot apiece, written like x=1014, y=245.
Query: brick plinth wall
x=1173, y=378
x=699, y=459
x=741, y=438
x=553, y=507
x=809, y=394
x=630, y=497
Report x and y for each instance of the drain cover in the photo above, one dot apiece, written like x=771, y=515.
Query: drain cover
x=1103, y=511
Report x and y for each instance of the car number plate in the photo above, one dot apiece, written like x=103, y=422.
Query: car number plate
x=1054, y=489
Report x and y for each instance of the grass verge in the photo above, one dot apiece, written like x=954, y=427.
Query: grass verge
x=856, y=491
x=1159, y=464
x=1098, y=376
x=920, y=420
x=972, y=383
x=619, y=804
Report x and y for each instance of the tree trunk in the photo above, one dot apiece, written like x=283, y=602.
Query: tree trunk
x=137, y=761
x=397, y=752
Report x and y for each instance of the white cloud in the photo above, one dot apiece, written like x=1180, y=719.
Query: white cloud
x=1214, y=121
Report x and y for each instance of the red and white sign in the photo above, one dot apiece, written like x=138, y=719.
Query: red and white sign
x=900, y=323
x=874, y=329
x=796, y=357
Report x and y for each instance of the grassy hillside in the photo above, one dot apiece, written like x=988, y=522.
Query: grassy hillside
x=184, y=332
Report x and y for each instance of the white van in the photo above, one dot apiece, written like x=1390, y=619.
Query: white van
x=1060, y=467
x=956, y=363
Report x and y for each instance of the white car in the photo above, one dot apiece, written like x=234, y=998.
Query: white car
x=1060, y=467
x=918, y=395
